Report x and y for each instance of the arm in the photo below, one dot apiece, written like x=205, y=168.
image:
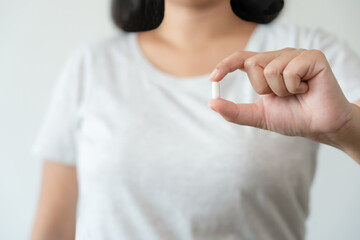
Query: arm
x=349, y=139
x=55, y=217
x=301, y=97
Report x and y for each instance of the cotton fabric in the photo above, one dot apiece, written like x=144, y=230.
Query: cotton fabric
x=154, y=162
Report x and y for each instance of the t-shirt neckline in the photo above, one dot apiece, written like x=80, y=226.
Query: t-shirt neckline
x=134, y=43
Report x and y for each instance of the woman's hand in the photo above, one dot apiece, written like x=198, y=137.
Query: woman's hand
x=301, y=95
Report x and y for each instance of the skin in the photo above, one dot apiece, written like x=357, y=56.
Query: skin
x=55, y=217
x=301, y=98
x=317, y=109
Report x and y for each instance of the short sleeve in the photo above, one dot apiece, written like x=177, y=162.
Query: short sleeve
x=56, y=139
x=344, y=63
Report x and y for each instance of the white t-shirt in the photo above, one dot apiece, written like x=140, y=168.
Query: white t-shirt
x=155, y=162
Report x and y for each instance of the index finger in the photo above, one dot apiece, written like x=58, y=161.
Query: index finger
x=229, y=64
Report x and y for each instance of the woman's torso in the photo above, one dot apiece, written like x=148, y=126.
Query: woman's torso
x=154, y=162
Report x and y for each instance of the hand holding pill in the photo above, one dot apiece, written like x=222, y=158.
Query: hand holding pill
x=301, y=96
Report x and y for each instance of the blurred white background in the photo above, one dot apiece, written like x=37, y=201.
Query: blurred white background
x=35, y=39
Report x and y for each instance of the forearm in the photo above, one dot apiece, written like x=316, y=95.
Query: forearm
x=56, y=214
x=348, y=139
x=46, y=227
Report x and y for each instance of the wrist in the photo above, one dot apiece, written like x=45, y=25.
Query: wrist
x=347, y=138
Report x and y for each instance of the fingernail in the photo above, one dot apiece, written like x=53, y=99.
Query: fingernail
x=214, y=74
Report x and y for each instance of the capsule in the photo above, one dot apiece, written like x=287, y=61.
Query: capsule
x=215, y=86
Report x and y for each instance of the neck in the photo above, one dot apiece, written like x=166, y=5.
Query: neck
x=192, y=24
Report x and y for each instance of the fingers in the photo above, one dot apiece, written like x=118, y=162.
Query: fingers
x=244, y=114
x=255, y=72
x=306, y=65
x=303, y=68
x=273, y=73
x=269, y=72
x=284, y=72
x=254, y=67
x=230, y=64
x=257, y=79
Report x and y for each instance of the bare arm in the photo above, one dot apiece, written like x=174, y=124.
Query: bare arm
x=349, y=139
x=55, y=217
x=301, y=97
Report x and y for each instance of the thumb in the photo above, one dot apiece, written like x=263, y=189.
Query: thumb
x=249, y=114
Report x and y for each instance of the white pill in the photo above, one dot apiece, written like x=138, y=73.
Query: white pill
x=215, y=86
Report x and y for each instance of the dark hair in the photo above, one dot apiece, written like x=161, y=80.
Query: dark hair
x=143, y=15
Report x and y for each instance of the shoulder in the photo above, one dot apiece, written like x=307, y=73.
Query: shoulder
x=277, y=36
x=108, y=49
x=97, y=62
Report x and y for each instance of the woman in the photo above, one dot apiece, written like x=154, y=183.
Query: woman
x=129, y=127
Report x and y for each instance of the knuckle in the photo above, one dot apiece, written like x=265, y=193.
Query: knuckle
x=300, y=50
x=238, y=52
x=271, y=72
x=288, y=74
x=249, y=63
x=317, y=53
